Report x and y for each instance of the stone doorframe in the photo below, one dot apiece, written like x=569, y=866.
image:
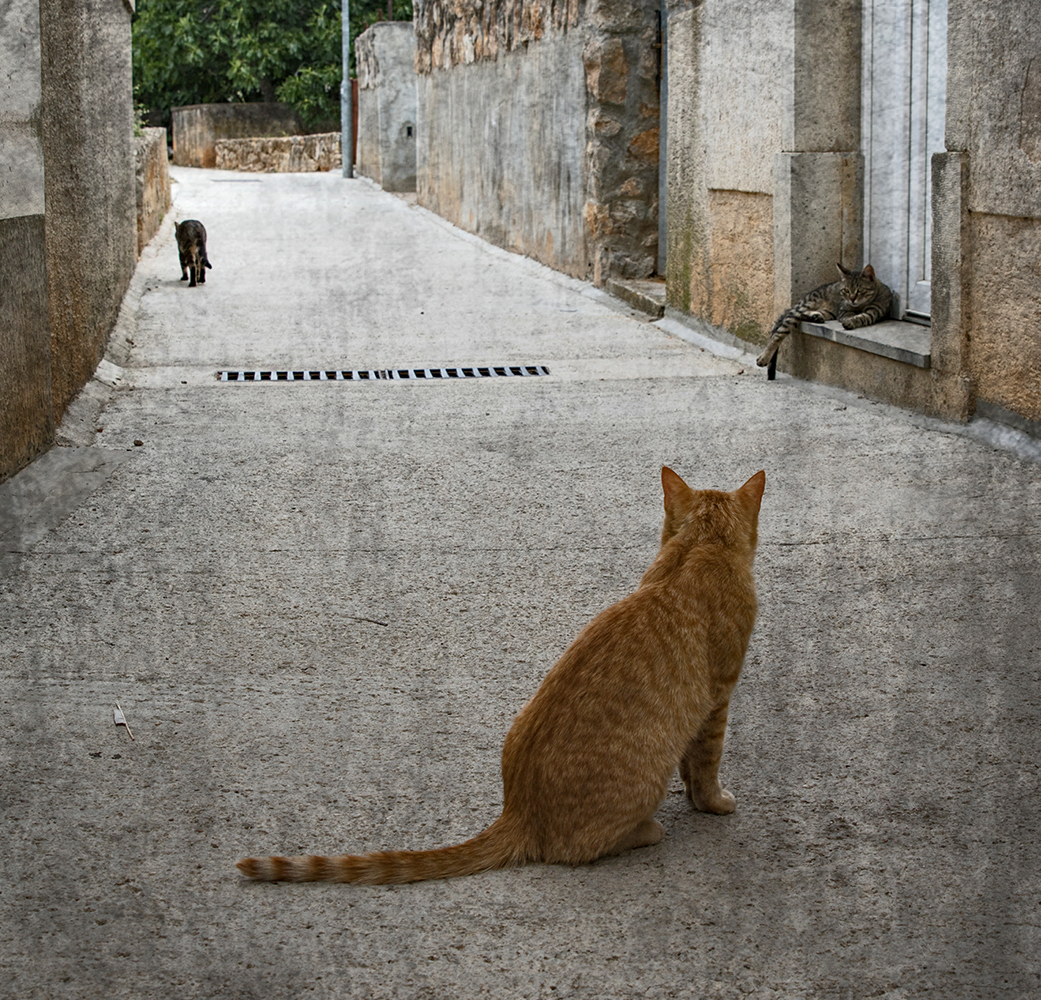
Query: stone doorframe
x=819, y=198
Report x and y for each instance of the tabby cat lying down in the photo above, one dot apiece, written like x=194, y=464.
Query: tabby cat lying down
x=857, y=299
x=644, y=689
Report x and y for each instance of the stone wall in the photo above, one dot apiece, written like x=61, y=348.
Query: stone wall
x=67, y=207
x=994, y=122
x=26, y=411
x=761, y=159
x=152, y=183
x=197, y=127
x=91, y=208
x=294, y=154
x=385, y=56
x=538, y=127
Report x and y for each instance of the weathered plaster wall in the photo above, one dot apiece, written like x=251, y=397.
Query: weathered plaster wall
x=91, y=216
x=26, y=416
x=385, y=55
x=538, y=127
x=487, y=163
x=995, y=117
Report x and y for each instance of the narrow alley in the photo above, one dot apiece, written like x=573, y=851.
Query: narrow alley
x=319, y=605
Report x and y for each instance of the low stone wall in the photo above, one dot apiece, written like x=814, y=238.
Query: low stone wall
x=152, y=176
x=198, y=127
x=293, y=154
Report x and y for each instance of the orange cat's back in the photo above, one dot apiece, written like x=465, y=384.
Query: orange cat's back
x=643, y=689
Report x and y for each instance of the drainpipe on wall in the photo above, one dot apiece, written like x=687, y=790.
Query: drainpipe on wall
x=346, y=97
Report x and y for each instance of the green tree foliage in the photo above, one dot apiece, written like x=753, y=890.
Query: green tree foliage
x=210, y=51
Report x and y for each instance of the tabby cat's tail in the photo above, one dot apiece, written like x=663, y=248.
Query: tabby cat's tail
x=786, y=322
x=495, y=848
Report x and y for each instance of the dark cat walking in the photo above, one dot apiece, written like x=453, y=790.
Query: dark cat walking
x=858, y=299
x=191, y=245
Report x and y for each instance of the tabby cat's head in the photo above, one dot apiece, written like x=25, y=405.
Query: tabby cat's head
x=859, y=288
x=711, y=515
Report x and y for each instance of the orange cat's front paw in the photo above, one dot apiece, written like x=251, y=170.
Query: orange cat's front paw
x=721, y=802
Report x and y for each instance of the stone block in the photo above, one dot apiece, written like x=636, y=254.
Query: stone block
x=951, y=276
x=822, y=80
x=607, y=71
x=818, y=220
x=387, y=113
x=742, y=98
x=21, y=151
x=1005, y=355
x=816, y=359
x=994, y=113
x=26, y=409
x=739, y=280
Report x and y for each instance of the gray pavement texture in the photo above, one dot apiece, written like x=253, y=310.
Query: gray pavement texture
x=319, y=606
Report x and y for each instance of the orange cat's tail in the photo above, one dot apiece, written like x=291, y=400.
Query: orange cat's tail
x=496, y=847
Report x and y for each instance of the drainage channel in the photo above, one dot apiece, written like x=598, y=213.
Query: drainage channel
x=382, y=374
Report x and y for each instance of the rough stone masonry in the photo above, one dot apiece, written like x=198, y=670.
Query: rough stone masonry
x=539, y=127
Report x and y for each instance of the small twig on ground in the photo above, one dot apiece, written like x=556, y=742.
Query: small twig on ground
x=120, y=720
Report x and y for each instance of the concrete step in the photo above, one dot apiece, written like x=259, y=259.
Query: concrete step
x=645, y=294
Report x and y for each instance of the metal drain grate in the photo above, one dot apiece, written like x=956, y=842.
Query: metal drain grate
x=384, y=374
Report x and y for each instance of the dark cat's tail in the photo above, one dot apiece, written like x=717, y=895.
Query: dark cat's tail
x=496, y=847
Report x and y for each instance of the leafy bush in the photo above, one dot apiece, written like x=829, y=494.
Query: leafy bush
x=210, y=51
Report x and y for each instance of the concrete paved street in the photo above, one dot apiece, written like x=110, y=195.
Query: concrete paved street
x=320, y=605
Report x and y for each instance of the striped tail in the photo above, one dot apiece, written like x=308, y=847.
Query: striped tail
x=495, y=848
x=786, y=322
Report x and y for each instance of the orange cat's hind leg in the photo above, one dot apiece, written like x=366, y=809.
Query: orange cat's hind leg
x=645, y=834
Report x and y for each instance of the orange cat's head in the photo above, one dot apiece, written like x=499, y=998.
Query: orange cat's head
x=711, y=515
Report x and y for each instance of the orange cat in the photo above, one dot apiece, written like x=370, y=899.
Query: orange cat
x=642, y=690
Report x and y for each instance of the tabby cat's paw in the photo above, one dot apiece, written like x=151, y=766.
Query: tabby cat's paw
x=722, y=803
x=764, y=359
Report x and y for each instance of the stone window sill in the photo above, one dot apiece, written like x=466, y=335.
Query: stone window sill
x=906, y=342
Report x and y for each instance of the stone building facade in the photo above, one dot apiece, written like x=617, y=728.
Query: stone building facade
x=914, y=145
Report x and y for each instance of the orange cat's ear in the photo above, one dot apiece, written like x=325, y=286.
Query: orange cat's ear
x=673, y=486
x=752, y=491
